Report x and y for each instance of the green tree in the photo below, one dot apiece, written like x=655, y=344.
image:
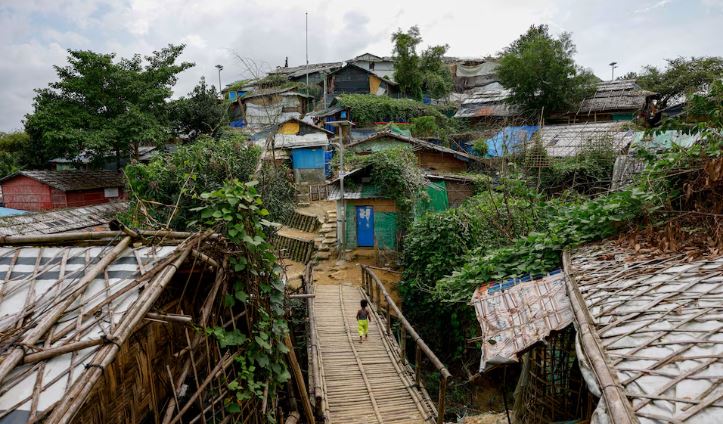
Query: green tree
x=201, y=112
x=681, y=76
x=418, y=75
x=104, y=106
x=13, y=149
x=541, y=74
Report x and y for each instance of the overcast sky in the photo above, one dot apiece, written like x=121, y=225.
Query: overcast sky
x=35, y=34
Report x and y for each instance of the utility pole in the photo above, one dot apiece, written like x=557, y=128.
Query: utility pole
x=307, y=52
x=220, y=68
x=341, y=218
x=613, y=65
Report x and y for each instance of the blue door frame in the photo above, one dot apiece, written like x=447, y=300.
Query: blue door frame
x=365, y=226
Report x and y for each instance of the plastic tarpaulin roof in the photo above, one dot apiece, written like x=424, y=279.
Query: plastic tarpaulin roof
x=664, y=140
x=659, y=319
x=517, y=313
x=509, y=139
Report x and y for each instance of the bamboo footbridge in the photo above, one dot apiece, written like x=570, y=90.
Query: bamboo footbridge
x=369, y=382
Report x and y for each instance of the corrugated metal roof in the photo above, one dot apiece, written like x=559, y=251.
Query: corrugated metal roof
x=658, y=317
x=293, y=141
x=354, y=191
x=70, y=180
x=59, y=221
x=300, y=71
x=491, y=101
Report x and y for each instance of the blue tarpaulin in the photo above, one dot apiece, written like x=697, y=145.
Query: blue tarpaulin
x=239, y=123
x=508, y=139
x=11, y=212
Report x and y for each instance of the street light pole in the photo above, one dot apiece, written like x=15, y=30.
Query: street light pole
x=613, y=65
x=220, y=68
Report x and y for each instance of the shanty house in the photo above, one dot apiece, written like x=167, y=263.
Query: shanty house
x=433, y=158
x=620, y=100
x=267, y=107
x=43, y=190
x=488, y=103
x=306, y=145
x=371, y=217
x=382, y=66
x=353, y=79
x=471, y=74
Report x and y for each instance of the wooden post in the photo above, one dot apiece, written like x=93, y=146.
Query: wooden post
x=418, y=366
x=389, y=319
x=442, y=398
x=299, y=379
x=403, y=344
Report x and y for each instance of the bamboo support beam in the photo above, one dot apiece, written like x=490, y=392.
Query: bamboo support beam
x=618, y=405
x=299, y=380
x=53, y=352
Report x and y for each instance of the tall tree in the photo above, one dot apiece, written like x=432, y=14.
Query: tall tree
x=682, y=77
x=418, y=75
x=541, y=73
x=13, y=152
x=201, y=112
x=104, y=107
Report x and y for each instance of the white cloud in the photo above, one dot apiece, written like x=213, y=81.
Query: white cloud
x=35, y=33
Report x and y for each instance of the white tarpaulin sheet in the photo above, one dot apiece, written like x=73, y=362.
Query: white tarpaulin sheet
x=659, y=317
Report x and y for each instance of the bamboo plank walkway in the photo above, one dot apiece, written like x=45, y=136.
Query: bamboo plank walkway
x=364, y=383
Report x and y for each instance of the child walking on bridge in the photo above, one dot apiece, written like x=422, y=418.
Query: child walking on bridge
x=362, y=319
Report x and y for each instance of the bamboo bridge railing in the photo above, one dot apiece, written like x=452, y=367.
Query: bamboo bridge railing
x=375, y=292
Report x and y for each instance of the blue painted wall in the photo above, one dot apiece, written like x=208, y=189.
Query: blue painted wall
x=308, y=158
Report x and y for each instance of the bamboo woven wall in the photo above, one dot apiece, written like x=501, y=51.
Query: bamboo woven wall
x=551, y=387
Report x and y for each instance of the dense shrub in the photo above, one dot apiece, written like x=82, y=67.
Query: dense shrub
x=424, y=126
x=164, y=192
x=367, y=109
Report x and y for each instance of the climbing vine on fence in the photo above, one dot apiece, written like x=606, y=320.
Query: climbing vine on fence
x=236, y=211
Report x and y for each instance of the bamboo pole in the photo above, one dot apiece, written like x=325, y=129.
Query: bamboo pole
x=12, y=359
x=53, y=352
x=84, y=235
x=442, y=399
x=618, y=405
x=299, y=379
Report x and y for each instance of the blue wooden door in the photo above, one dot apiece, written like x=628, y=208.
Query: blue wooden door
x=365, y=226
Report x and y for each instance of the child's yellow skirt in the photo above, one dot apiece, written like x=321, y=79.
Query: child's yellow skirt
x=363, y=325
